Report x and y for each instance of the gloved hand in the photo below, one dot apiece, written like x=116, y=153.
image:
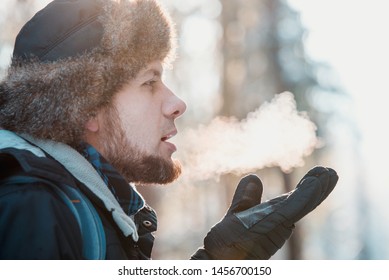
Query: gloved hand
x=254, y=230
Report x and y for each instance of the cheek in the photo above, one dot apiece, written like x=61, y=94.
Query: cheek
x=141, y=122
x=140, y=132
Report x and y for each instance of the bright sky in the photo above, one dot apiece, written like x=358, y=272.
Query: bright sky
x=352, y=37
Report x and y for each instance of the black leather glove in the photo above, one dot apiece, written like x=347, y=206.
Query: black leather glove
x=254, y=230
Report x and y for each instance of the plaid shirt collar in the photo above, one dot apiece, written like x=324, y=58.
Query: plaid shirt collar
x=129, y=199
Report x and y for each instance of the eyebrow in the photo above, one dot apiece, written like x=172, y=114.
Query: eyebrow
x=153, y=71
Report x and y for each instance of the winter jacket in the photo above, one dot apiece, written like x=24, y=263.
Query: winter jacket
x=36, y=224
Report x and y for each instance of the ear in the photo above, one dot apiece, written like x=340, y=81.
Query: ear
x=92, y=125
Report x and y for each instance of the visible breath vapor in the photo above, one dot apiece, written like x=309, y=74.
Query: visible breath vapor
x=275, y=134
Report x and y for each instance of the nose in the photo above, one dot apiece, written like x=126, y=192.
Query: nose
x=175, y=106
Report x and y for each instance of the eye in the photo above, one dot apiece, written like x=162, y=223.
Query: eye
x=150, y=82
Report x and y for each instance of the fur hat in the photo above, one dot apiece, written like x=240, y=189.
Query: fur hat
x=71, y=58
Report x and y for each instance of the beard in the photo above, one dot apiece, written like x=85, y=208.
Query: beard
x=131, y=162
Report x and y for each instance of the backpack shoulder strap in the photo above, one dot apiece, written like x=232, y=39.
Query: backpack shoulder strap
x=94, y=243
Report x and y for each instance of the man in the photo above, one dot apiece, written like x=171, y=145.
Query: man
x=85, y=116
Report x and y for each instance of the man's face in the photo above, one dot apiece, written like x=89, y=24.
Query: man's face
x=134, y=132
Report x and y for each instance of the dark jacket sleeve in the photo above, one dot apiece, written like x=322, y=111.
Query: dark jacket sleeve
x=36, y=224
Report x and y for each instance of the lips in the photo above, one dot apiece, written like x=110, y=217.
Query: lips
x=169, y=135
x=169, y=145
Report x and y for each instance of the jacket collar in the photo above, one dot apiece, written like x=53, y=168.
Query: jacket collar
x=79, y=167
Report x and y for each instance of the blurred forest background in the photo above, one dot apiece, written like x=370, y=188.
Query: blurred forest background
x=236, y=55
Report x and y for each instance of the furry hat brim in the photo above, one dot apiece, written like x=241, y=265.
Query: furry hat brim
x=54, y=99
